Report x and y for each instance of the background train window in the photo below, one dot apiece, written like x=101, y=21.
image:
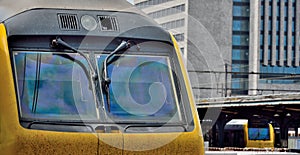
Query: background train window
x=142, y=88
x=259, y=133
x=53, y=86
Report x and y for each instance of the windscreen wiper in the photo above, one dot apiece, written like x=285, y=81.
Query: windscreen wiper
x=106, y=80
x=93, y=75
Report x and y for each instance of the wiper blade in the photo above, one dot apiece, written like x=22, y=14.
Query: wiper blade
x=106, y=80
x=93, y=75
x=59, y=42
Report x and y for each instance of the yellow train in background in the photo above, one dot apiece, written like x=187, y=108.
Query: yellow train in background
x=241, y=133
x=92, y=77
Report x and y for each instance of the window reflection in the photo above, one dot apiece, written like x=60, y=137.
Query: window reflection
x=53, y=86
x=141, y=88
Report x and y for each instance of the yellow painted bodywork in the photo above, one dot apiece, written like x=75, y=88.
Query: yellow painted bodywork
x=260, y=143
x=164, y=143
x=15, y=139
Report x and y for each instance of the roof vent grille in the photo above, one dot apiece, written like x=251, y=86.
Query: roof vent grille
x=68, y=22
x=108, y=23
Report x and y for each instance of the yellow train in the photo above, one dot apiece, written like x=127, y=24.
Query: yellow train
x=241, y=133
x=91, y=77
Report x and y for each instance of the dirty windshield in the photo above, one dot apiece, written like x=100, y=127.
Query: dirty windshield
x=55, y=86
x=142, y=88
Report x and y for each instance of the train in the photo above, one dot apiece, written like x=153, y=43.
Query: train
x=92, y=77
x=244, y=134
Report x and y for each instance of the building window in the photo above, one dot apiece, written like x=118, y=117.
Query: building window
x=270, y=10
x=293, y=26
x=239, y=54
x=240, y=40
x=285, y=26
x=182, y=50
x=168, y=11
x=173, y=24
x=241, y=11
x=278, y=75
x=179, y=37
x=285, y=10
x=261, y=25
x=285, y=40
x=278, y=9
x=246, y=1
x=277, y=25
x=148, y=3
x=240, y=25
x=270, y=25
x=277, y=55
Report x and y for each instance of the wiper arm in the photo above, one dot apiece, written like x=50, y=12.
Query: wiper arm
x=93, y=75
x=59, y=42
x=106, y=80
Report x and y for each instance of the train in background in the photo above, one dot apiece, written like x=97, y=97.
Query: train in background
x=241, y=133
x=92, y=77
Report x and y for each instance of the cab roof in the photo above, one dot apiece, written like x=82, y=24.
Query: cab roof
x=9, y=8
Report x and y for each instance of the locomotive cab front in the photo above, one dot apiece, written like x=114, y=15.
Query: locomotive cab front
x=93, y=79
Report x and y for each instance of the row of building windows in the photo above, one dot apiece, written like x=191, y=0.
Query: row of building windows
x=168, y=11
x=279, y=80
x=281, y=33
x=285, y=25
x=278, y=18
x=173, y=24
x=245, y=1
x=278, y=6
x=277, y=1
x=277, y=40
x=279, y=75
x=277, y=56
x=279, y=70
x=148, y=3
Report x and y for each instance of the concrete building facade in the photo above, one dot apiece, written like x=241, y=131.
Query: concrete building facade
x=258, y=41
x=235, y=47
x=170, y=14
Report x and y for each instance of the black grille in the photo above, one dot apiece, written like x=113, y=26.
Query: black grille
x=108, y=23
x=68, y=22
